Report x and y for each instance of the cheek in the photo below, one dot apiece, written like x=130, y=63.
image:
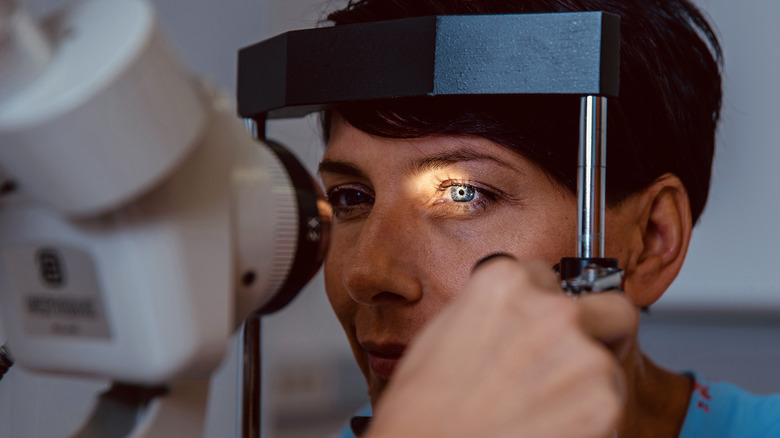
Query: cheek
x=441, y=257
x=545, y=236
x=333, y=267
x=338, y=297
x=552, y=233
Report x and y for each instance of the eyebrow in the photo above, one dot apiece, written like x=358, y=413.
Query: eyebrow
x=340, y=167
x=422, y=165
x=445, y=159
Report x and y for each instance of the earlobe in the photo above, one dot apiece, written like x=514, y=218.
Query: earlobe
x=664, y=231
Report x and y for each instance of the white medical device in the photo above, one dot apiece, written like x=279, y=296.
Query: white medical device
x=140, y=224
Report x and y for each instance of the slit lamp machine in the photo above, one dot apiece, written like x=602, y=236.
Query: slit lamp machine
x=142, y=224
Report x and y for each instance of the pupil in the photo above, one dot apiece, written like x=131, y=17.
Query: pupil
x=354, y=198
x=462, y=193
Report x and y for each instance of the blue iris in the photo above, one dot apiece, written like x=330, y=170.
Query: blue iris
x=462, y=193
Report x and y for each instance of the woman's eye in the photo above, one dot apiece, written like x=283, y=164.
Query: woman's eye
x=349, y=200
x=465, y=198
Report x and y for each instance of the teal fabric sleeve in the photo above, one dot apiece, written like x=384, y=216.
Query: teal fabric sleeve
x=346, y=431
x=723, y=410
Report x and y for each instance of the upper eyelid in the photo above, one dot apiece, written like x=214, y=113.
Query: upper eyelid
x=351, y=185
x=458, y=182
x=445, y=184
x=329, y=193
x=445, y=187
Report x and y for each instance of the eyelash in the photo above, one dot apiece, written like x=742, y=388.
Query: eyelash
x=349, y=211
x=482, y=202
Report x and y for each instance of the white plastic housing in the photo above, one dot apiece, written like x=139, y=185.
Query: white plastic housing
x=25, y=51
x=111, y=115
x=266, y=219
x=150, y=290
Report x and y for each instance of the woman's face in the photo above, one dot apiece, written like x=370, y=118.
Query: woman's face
x=412, y=217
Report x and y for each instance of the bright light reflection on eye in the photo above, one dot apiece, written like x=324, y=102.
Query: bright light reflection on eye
x=462, y=193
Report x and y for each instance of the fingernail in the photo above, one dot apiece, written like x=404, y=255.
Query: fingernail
x=491, y=257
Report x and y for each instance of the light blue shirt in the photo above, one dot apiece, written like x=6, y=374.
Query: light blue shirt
x=346, y=432
x=722, y=410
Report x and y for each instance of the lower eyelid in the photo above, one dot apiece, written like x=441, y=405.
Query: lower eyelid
x=480, y=203
x=350, y=213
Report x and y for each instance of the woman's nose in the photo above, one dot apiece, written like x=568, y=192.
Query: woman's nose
x=387, y=258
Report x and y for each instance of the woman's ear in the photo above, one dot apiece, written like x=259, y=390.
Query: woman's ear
x=655, y=225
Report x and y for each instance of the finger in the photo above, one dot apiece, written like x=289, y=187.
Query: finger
x=610, y=318
x=486, y=259
x=515, y=272
x=543, y=276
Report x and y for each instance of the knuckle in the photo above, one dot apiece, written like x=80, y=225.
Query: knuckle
x=503, y=280
x=560, y=313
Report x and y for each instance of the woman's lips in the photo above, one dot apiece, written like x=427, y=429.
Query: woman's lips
x=383, y=358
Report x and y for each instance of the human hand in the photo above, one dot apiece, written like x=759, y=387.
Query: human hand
x=512, y=356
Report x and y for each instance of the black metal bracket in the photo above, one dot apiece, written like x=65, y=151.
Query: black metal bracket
x=304, y=71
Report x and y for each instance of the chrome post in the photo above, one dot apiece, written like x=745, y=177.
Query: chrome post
x=591, y=177
x=251, y=378
x=250, y=346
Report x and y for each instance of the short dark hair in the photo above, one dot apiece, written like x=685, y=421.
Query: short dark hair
x=664, y=120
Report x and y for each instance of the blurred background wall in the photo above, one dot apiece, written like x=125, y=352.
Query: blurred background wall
x=721, y=318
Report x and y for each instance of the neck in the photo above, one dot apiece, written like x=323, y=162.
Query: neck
x=657, y=399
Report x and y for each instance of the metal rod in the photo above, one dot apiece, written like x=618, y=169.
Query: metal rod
x=591, y=177
x=251, y=351
x=251, y=378
x=255, y=128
